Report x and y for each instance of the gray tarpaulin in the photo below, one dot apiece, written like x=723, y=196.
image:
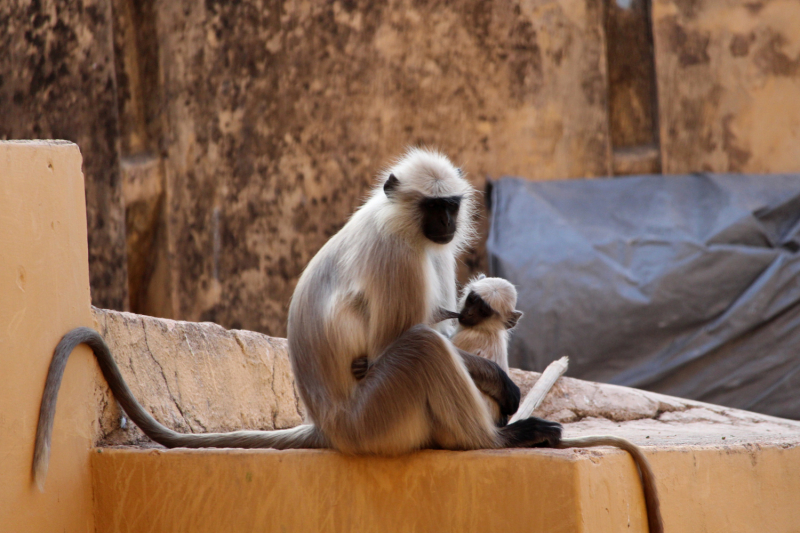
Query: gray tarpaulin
x=686, y=285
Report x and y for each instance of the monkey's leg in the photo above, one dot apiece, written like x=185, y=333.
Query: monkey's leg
x=492, y=381
x=495, y=383
x=416, y=389
x=418, y=393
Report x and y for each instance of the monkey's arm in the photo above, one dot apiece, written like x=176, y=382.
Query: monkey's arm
x=492, y=381
x=443, y=314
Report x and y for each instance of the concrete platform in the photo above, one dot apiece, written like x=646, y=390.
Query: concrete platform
x=267, y=490
x=718, y=469
x=750, y=486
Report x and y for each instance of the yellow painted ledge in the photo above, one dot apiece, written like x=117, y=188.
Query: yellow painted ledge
x=305, y=490
x=740, y=488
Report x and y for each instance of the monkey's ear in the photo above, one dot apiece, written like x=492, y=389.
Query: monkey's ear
x=481, y=276
x=513, y=319
x=390, y=185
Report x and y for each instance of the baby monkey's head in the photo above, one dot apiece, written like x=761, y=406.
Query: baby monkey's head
x=488, y=303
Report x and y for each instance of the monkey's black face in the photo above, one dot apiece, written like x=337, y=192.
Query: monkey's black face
x=439, y=218
x=475, y=311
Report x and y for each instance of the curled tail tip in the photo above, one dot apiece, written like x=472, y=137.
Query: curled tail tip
x=41, y=460
x=40, y=474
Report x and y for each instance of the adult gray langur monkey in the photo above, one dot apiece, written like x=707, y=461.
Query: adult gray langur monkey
x=374, y=291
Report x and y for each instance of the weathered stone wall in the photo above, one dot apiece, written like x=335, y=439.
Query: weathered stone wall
x=245, y=133
x=279, y=117
x=57, y=81
x=728, y=84
x=200, y=378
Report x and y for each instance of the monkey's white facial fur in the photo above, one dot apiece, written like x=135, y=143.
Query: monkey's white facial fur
x=488, y=303
x=427, y=200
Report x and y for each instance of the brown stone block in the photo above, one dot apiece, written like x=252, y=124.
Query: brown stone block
x=196, y=378
x=728, y=84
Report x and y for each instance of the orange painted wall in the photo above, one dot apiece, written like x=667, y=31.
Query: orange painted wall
x=44, y=291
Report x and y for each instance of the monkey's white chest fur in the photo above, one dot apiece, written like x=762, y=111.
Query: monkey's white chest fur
x=492, y=345
x=440, y=291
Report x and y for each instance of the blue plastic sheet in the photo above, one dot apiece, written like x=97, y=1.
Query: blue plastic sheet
x=686, y=285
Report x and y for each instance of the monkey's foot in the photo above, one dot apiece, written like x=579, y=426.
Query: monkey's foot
x=532, y=432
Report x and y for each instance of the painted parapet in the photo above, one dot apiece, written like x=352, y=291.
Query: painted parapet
x=44, y=292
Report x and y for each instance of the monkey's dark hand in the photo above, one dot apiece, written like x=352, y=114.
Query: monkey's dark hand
x=509, y=403
x=359, y=367
x=492, y=381
x=443, y=314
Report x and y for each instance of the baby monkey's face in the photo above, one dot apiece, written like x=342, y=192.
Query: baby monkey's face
x=488, y=303
x=475, y=311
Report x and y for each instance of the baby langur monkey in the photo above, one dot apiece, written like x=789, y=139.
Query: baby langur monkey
x=486, y=315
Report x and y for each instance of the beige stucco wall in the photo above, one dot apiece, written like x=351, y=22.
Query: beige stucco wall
x=44, y=291
x=703, y=489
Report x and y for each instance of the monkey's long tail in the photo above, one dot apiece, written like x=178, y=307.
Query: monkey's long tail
x=303, y=436
x=651, y=501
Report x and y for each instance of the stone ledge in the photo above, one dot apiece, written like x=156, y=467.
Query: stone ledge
x=309, y=490
x=718, y=469
x=200, y=377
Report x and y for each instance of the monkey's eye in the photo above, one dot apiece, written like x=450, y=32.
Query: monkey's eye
x=472, y=298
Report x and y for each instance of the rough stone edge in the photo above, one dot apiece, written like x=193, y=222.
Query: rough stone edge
x=581, y=405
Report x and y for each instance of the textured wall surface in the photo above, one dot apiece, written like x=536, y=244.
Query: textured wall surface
x=728, y=84
x=280, y=115
x=245, y=133
x=200, y=377
x=57, y=81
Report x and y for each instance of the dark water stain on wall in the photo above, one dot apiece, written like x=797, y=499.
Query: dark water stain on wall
x=280, y=115
x=58, y=81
